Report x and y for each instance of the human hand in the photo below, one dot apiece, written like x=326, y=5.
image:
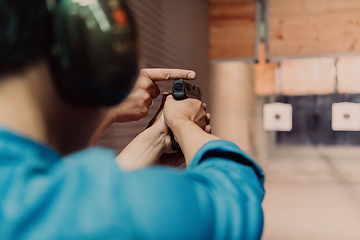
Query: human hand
x=149, y=145
x=160, y=120
x=169, y=157
x=190, y=124
x=185, y=110
x=137, y=104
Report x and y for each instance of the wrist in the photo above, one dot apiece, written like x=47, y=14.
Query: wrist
x=184, y=127
x=178, y=123
x=111, y=117
x=157, y=136
x=107, y=121
x=191, y=137
x=143, y=151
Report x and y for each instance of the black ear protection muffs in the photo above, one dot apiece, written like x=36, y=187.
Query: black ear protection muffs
x=93, y=55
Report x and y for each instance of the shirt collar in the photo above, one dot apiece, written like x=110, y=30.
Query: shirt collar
x=12, y=142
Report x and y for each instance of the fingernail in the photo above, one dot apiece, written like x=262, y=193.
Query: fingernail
x=191, y=75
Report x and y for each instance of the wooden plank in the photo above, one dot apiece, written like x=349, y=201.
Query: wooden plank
x=308, y=76
x=348, y=71
x=313, y=27
x=279, y=7
x=265, y=74
x=232, y=29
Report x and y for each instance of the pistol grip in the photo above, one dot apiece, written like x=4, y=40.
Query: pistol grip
x=174, y=144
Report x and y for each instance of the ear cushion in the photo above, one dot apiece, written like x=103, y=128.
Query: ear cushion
x=94, y=52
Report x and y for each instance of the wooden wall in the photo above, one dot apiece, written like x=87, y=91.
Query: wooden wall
x=232, y=29
x=313, y=27
x=323, y=33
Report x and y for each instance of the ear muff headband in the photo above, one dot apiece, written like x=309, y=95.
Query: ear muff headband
x=94, y=57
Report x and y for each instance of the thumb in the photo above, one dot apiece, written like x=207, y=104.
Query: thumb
x=165, y=95
x=170, y=97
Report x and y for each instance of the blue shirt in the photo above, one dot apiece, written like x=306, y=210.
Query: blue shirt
x=85, y=195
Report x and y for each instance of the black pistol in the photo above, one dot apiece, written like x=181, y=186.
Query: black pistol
x=182, y=90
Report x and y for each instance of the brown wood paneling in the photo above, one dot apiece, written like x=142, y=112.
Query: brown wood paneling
x=313, y=27
x=232, y=29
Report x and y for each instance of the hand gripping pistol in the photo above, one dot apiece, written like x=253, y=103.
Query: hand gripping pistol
x=183, y=90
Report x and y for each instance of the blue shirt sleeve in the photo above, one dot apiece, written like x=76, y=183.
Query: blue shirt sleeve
x=218, y=196
x=86, y=196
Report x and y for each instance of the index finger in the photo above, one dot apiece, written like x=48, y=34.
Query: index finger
x=163, y=74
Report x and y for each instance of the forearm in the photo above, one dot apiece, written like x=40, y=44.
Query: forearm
x=101, y=129
x=191, y=138
x=144, y=150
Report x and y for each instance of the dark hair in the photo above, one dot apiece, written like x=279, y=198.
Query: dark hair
x=24, y=33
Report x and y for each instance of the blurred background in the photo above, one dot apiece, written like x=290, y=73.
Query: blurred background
x=282, y=81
